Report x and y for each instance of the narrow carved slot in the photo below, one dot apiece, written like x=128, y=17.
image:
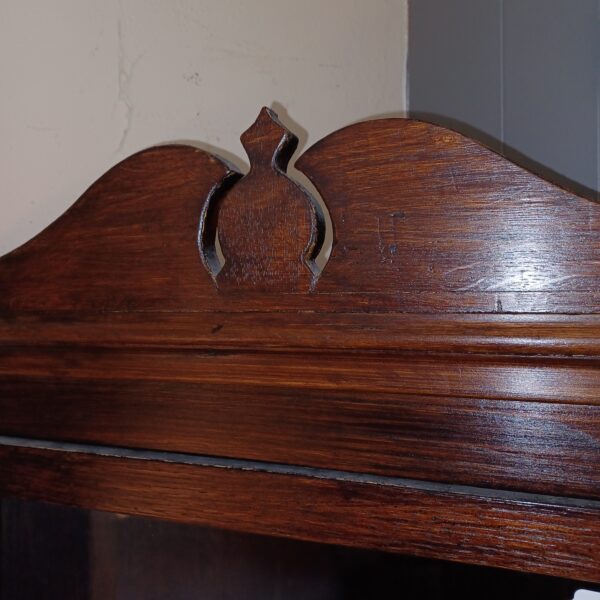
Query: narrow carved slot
x=324, y=242
x=208, y=235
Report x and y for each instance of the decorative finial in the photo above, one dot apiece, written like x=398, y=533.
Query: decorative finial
x=267, y=141
x=267, y=225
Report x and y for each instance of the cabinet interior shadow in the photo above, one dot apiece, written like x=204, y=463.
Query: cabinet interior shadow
x=50, y=552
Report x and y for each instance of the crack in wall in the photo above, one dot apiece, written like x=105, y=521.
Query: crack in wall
x=125, y=72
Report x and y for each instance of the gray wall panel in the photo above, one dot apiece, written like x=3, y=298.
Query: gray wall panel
x=454, y=64
x=550, y=84
x=525, y=72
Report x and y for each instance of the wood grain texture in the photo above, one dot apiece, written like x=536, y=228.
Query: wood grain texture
x=521, y=534
x=266, y=223
x=453, y=336
x=513, y=445
x=125, y=245
x=574, y=381
x=149, y=555
x=519, y=335
x=137, y=557
x=452, y=218
x=425, y=221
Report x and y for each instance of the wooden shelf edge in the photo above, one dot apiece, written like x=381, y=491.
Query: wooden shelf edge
x=541, y=534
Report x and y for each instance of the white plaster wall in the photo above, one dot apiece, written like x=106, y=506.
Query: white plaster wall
x=84, y=83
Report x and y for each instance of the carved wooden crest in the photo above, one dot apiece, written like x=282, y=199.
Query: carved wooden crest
x=425, y=221
x=269, y=228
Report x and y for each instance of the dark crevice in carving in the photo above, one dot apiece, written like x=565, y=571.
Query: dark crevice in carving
x=324, y=238
x=311, y=259
x=325, y=234
x=272, y=227
x=208, y=237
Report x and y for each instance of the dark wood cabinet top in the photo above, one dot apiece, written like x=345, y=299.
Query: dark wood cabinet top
x=184, y=343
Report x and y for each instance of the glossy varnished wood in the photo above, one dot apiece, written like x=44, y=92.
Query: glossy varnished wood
x=120, y=557
x=519, y=335
x=531, y=446
x=424, y=220
x=267, y=224
x=490, y=377
x=473, y=526
x=126, y=244
x=527, y=423
x=453, y=337
x=452, y=219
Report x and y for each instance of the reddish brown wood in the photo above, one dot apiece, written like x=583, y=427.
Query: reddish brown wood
x=532, y=334
x=125, y=245
x=452, y=218
x=266, y=223
x=46, y=547
x=425, y=220
x=522, y=534
x=454, y=336
x=531, y=446
x=574, y=381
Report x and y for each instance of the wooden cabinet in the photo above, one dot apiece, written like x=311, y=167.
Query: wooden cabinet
x=417, y=403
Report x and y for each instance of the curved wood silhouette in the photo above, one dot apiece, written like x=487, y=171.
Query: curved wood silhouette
x=435, y=391
x=425, y=221
x=268, y=226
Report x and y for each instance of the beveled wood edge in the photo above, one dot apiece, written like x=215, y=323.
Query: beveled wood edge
x=515, y=334
x=527, y=532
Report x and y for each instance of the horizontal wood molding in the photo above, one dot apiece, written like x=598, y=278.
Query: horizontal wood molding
x=542, y=379
x=503, y=400
x=537, y=447
x=530, y=334
x=528, y=533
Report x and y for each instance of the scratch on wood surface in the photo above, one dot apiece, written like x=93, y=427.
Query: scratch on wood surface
x=453, y=179
x=462, y=267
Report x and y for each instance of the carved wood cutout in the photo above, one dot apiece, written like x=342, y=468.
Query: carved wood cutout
x=269, y=228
